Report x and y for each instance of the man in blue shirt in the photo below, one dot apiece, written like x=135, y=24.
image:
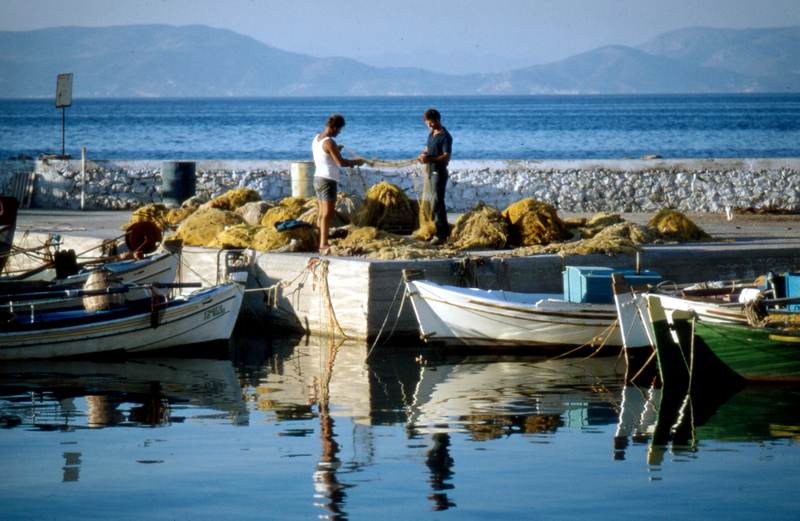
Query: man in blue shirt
x=437, y=155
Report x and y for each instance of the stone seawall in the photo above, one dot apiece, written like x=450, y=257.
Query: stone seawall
x=629, y=185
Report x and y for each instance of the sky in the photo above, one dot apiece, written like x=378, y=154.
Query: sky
x=446, y=36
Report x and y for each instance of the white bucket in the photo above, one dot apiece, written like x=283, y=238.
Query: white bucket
x=303, y=179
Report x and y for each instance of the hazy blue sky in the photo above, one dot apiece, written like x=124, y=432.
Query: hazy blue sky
x=462, y=35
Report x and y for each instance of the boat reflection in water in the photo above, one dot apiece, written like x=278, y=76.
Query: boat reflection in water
x=727, y=414
x=483, y=397
x=65, y=395
x=327, y=430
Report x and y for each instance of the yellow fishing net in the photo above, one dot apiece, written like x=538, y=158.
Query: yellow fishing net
x=155, y=213
x=236, y=236
x=387, y=206
x=482, y=228
x=269, y=239
x=281, y=213
x=293, y=202
x=598, y=223
x=201, y=227
x=533, y=222
x=233, y=199
x=373, y=243
x=677, y=226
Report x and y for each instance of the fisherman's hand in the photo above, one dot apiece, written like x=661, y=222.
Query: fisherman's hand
x=423, y=158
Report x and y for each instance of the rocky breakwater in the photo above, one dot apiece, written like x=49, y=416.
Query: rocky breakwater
x=629, y=185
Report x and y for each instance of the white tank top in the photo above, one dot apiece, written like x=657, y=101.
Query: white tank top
x=324, y=164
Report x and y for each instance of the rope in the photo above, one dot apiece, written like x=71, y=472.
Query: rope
x=591, y=343
x=387, y=317
x=653, y=355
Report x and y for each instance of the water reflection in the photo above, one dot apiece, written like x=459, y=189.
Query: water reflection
x=337, y=417
x=66, y=394
x=722, y=413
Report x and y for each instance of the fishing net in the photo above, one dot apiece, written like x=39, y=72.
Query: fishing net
x=268, y=238
x=635, y=233
x=233, y=199
x=387, y=207
x=201, y=227
x=533, y=222
x=380, y=244
x=236, y=236
x=598, y=223
x=482, y=228
x=293, y=202
x=282, y=213
x=154, y=213
x=677, y=226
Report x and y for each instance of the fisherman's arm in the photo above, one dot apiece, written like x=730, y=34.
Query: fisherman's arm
x=336, y=152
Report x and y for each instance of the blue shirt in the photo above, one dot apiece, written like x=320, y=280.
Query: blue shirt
x=437, y=145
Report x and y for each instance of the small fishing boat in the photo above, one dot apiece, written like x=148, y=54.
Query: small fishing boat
x=472, y=317
x=158, y=268
x=141, y=325
x=706, y=341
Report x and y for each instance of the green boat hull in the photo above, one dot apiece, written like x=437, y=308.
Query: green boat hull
x=719, y=352
x=754, y=353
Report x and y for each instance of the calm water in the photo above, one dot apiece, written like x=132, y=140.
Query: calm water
x=301, y=429
x=524, y=127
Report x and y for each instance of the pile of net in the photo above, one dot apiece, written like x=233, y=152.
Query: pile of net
x=677, y=226
x=168, y=219
x=373, y=243
x=482, y=228
x=232, y=199
x=159, y=214
x=387, y=207
x=200, y=228
x=346, y=208
x=532, y=222
x=377, y=226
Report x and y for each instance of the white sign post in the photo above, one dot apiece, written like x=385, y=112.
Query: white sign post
x=63, y=100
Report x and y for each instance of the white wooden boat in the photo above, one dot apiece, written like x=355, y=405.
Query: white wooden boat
x=200, y=316
x=469, y=317
x=159, y=268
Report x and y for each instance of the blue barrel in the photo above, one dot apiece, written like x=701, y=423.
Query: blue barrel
x=178, y=182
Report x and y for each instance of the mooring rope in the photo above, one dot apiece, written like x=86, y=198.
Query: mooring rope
x=386, y=319
x=591, y=343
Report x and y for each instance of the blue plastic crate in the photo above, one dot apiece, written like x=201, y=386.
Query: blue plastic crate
x=592, y=284
x=792, y=281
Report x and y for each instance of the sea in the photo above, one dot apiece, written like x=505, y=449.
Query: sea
x=286, y=428
x=486, y=127
x=277, y=425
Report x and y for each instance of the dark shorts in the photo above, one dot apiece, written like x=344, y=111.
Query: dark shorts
x=325, y=189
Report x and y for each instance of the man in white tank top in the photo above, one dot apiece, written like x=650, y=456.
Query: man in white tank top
x=327, y=162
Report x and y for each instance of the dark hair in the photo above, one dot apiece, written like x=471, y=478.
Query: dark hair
x=432, y=115
x=335, y=121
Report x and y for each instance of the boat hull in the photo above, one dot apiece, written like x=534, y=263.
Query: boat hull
x=202, y=316
x=697, y=346
x=468, y=317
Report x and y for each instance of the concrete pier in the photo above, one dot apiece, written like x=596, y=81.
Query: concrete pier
x=313, y=293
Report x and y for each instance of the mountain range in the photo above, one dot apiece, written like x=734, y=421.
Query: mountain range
x=198, y=61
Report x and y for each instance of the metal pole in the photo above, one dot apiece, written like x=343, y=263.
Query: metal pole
x=63, y=118
x=83, y=176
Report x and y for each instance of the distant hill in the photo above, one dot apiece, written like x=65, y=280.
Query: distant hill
x=199, y=61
